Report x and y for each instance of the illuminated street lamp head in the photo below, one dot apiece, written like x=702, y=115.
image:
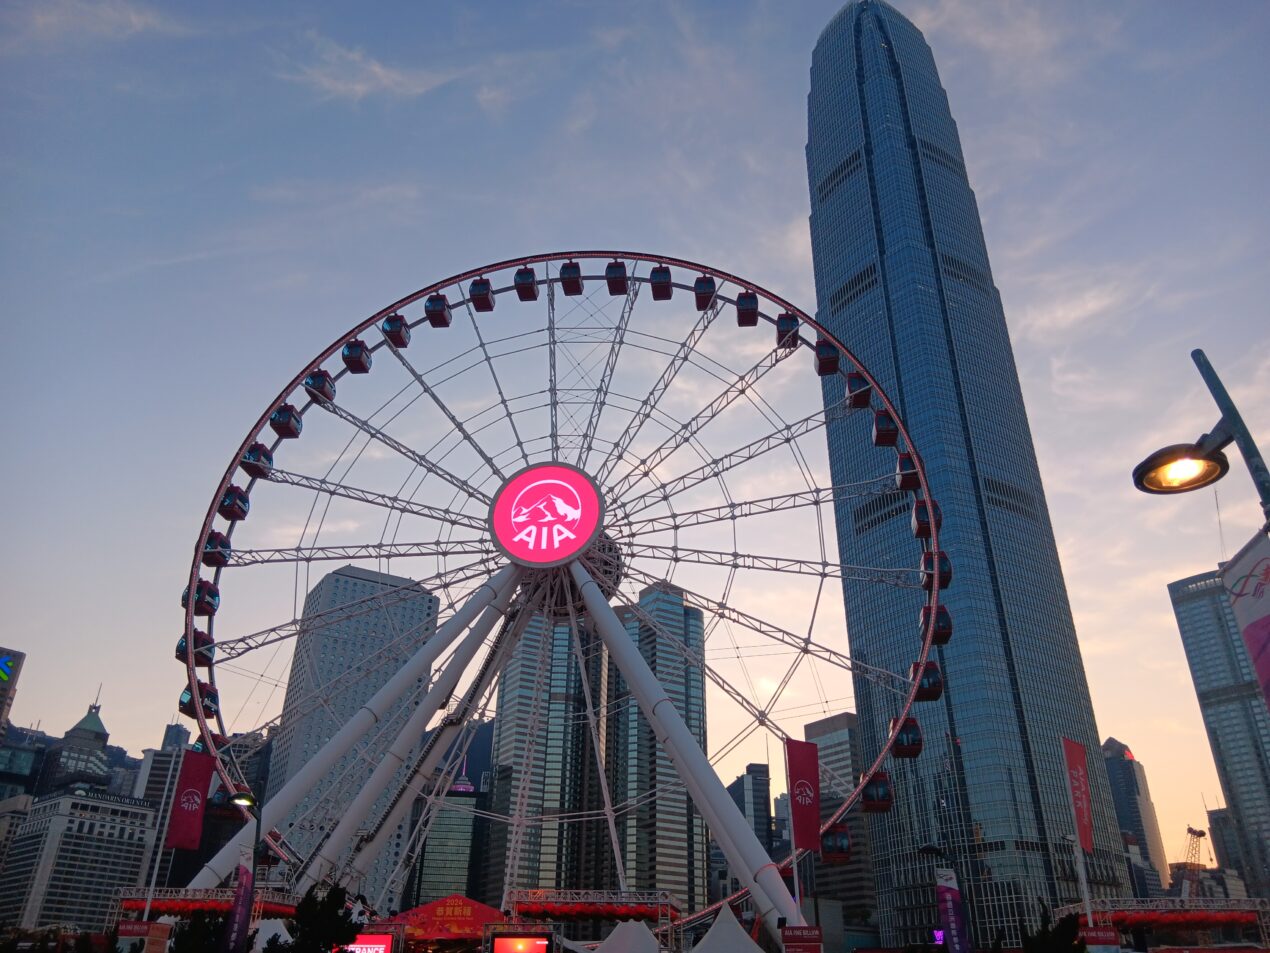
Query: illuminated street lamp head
x=244, y=799
x=1179, y=469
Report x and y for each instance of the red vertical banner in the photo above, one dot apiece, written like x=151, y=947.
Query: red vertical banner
x=802, y=758
x=189, y=800
x=1078, y=787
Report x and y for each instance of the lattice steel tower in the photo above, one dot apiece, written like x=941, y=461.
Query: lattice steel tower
x=902, y=276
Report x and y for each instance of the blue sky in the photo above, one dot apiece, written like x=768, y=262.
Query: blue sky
x=196, y=199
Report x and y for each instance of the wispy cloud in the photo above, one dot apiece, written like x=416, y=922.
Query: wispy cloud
x=28, y=25
x=340, y=72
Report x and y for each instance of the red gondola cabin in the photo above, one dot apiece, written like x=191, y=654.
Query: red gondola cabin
x=885, y=431
x=921, y=518
x=615, y=277
x=930, y=681
x=787, y=330
x=286, y=421
x=320, y=386
x=526, y=284
x=826, y=357
x=876, y=797
x=437, y=310
x=942, y=633
x=206, y=598
x=859, y=393
x=209, y=697
x=928, y=570
x=234, y=504
x=216, y=550
x=257, y=461
x=747, y=309
x=906, y=472
x=356, y=357
x=659, y=278
x=908, y=743
x=571, y=278
x=396, y=330
x=204, y=649
x=835, y=845
x=481, y=294
x=703, y=292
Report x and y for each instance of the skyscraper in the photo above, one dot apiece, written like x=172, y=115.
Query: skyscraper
x=1134, y=810
x=752, y=792
x=902, y=276
x=1236, y=719
x=327, y=667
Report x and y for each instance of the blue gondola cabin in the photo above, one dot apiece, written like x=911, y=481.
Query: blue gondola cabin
x=437, y=310
x=930, y=681
x=209, y=697
x=396, y=330
x=356, y=356
x=257, y=461
x=234, y=504
x=216, y=550
x=906, y=472
x=204, y=649
x=859, y=393
x=886, y=433
x=659, y=278
x=703, y=292
x=286, y=421
x=747, y=309
x=943, y=630
x=787, y=330
x=928, y=571
x=826, y=357
x=320, y=386
x=206, y=598
x=615, y=277
x=481, y=293
x=571, y=278
x=526, y=284
x=921, y=518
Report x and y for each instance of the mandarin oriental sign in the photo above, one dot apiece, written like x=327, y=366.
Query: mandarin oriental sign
x=546, y=515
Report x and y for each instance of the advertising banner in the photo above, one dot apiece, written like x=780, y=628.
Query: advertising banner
x=189, y=800
x=1247, y=582
x=234, y=939
x=951, y=911
x=802, y=939
x=1101, y=939
x=370, y=943
x=802, y=758
x=1078, y=787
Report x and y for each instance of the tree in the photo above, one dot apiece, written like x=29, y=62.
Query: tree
x=321, y=924
x=83, y=943
x=1063, y=937
x=200, y=933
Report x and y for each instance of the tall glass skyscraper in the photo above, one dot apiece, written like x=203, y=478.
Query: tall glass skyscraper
x=902, y=276
x=1236, y=718
x=1135, y=810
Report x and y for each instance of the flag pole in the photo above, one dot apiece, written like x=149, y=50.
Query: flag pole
x=793, y=840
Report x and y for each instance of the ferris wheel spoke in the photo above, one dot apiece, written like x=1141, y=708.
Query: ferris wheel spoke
x=304, y=554
x=498, y=385
x=737, y=387
x=816, y=496
x=551, y=367
x=903, y=578
x=718, y=466
x=442, y=406
x=413, y=456
x=681, y=356
x=606, y=378
x=400, y=504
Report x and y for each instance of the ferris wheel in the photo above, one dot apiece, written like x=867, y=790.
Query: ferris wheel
x=537, y=446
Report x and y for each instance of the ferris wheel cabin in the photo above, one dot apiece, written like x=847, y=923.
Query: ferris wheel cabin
x=356, y=357
x=320, y=386
x=787, y=330
x=908, y=742
x=876, y=797
x=209, y=697
x=921, y=518
x=396, y=330
x=943, y=631
x=930, y=681
x=206, y=598
x=286, y=422
x=835, y=845
x=234, y=504
x=928, y=570
x=257, y=461
x=659, y=278
x=481, y=293
x=906, y=472
x=826, y=357
x=886, y=433
x=216, y=550
x=526, y=284
x=747, y=309
x=204, y=649
x=571, y=278
x=615, y=277
x=437, y=310
x=703, y=292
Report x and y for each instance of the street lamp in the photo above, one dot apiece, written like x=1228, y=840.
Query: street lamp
x=1183, y=467
x=247, y=801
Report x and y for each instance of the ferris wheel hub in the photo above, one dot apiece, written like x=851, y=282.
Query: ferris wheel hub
x=546, y=515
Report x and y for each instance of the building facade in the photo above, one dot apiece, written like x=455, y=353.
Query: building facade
x=1235, y=717
x=752, y=793
x=1135, y=812
x=338, y=665
x=902, y=276
x=69, y=855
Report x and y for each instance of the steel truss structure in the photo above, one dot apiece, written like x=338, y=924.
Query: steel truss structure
x=704, y=436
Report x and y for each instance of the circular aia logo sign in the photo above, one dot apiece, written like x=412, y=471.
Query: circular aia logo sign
x=803, y=793
x=546, y=515
x=191, y=800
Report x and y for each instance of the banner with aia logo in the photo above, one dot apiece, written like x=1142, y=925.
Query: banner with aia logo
x=189, y=801
x=802, y=758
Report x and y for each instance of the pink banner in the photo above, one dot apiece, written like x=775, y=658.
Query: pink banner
x=1078, y=787
x=948, y=899
x=237, y=924
x=189, y=800
x=802, y=758
x=1247, y=582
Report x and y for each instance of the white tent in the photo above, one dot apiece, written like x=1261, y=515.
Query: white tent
x=726, y=936
x=631, y=936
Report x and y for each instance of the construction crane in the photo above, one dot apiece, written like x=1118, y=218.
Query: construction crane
x=1191, y=867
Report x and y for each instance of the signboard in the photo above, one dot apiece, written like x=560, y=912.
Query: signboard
x=370, y=943
x=529, y=943
x=803, y=762
x=546, y=514
x=1101, y=939
x=802, y=939
x=1247, y=582
x=1078, y=788
x=189, y=800
x=951, y=911
x=155, y=934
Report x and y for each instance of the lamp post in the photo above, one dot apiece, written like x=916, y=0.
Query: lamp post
x=931, y=850
x=1078, y=855
x=1183, y=467
x=246, y=800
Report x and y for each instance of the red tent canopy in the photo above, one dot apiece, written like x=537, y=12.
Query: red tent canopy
x=451, y=918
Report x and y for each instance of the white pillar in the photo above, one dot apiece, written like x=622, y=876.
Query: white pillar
x=728, y=825
x=304, y=780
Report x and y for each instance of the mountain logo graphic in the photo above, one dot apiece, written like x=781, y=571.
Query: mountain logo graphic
x=546, y=514
x=190, y=800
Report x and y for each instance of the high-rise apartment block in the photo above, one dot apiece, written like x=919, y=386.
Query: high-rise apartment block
x=1135, y=812
x=1236, y=719
x=338, y=665
x=902, y=277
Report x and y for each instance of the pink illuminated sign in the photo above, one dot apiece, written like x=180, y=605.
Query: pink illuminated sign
x=546, y=515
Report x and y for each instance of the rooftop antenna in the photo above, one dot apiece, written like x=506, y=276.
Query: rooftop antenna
x=97, y=700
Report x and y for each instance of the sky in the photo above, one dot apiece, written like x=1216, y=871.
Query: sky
x=196, y=199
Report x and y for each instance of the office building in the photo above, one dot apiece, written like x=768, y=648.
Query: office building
x=11, y=661
x=902, y=276
x=70, y=854
x=752, y=793
x=1235, y=717
x=1134, y=811
x=80, y=757
x=175, y=735
x=338, y=665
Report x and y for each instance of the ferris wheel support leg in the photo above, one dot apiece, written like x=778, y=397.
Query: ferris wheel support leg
x=411, y=734
x=304, y=780
x=728, y=825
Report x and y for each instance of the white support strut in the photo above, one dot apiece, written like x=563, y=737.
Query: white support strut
x=303, y=781
x=728, y=825
x=355, y=814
